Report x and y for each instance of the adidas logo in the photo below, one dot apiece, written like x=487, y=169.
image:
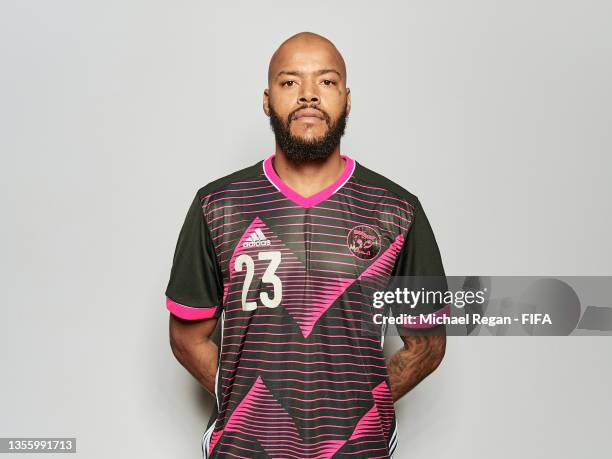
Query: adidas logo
x=256, y=239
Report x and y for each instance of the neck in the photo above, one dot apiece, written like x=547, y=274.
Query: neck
x=310, y=177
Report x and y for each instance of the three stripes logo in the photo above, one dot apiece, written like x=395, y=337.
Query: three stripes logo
x=256, y=239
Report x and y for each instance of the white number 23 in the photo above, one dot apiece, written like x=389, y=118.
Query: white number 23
x=269, y=277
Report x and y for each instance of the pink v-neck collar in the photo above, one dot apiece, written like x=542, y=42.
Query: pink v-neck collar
x=315, y=199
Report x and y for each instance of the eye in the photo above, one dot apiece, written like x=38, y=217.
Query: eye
x=328, y=82
x=288, y=83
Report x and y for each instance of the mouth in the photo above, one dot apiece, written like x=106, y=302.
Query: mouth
x=308, y=115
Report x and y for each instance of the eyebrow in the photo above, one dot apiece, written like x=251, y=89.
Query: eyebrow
x=318, y=72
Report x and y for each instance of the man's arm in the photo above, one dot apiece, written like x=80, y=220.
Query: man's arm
x=191, y=345
x=419, y=265
x=420, y=356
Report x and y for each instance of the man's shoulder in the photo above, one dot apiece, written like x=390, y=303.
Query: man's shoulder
x=253, y=172
x=378, y=181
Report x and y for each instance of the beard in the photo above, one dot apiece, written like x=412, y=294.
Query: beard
x=298, y=150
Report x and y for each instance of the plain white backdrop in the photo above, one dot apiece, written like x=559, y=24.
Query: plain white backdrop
x=496, y=114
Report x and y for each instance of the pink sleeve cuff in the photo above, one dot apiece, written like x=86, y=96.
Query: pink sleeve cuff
x=189, y=313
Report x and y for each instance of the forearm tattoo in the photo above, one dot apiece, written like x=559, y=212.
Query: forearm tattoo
x=410, y=365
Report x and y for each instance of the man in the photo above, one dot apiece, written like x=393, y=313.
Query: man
x=286, y=253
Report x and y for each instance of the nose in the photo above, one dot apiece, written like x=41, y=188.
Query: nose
x=308, y=94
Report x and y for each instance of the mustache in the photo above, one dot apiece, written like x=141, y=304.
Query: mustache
x=325, y=116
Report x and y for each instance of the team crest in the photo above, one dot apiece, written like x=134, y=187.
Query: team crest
x=364, y=242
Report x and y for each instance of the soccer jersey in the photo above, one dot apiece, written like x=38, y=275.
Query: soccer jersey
x=301, y=374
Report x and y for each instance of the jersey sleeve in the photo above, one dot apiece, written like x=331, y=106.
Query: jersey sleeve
x=195, y=288
x=419, y=268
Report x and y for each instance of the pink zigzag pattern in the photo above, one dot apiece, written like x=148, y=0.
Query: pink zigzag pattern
x=330, y=290
x=384, y=405
x=214, y=439
x=261, y=416
x=383, y=266
x=368, y=426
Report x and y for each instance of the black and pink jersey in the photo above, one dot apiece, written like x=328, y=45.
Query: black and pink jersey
x=291, y=279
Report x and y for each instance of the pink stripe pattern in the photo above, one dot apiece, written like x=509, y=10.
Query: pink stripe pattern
x=307, y=378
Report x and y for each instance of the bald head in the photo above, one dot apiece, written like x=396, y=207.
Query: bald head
x=304, y=46
x=307, y=99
